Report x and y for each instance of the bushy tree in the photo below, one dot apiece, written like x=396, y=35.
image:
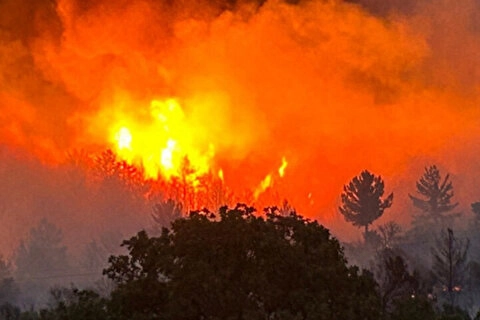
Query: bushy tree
x=435, y=201
x=237, y=265
x=362, y=201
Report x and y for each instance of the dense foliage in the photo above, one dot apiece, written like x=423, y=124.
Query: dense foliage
x=238, y=265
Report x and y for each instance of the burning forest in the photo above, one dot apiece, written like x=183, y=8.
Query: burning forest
x=111, y=108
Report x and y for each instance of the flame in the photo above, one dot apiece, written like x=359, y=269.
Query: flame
x=160, y=142
x=201, y=88
x=124, y=138
x=264, y=185
x=167, y=156
x=281, y=170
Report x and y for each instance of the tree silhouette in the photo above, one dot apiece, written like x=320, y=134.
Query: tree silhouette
x=394, y=280
x=436, y=198
x=449, y=262
x=236, y=265
x=362, y=201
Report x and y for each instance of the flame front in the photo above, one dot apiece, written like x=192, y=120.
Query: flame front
x=161, y=142
x=222, y=88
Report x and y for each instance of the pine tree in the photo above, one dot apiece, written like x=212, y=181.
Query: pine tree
x=362, y=201
x=436, y=197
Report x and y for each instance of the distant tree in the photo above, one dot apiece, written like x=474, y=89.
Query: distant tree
x=237, y=265
x=362, y=201
x=40, y=258
x=285, y=209
x=436, y=198
x=42, y=252
x=394, y=279
x=449, y=263
x=96, y=252
x=165, y=212
x=389, y=234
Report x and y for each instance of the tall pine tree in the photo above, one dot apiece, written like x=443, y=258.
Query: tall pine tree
x=362, y=201
x=435, y=199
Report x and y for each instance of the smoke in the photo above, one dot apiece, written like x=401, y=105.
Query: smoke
x=334, y=87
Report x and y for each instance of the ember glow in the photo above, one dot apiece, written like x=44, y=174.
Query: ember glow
x=161, y=142
x=272, y=100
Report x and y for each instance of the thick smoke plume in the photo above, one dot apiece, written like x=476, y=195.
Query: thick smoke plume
x=334, y=87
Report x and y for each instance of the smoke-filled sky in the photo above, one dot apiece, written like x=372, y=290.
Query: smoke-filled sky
x=334, y=87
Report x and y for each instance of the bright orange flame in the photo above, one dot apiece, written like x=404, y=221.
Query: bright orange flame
x=264, y=185
x=281, y=170
x=160, y=143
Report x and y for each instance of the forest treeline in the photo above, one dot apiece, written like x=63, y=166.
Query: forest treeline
x=237, y=263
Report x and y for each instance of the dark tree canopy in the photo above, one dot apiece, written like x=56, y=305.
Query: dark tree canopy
x=238, y=265
x=395, y=282
x=436, y=196
x=362, y=201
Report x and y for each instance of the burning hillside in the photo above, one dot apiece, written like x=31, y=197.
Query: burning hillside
x=268, y=100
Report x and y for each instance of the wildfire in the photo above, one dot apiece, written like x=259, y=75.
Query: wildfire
x=281, y=170
x=267, y=182
x=183, y=91
x=161, y=143
x=124, y=138
x=264, y=185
